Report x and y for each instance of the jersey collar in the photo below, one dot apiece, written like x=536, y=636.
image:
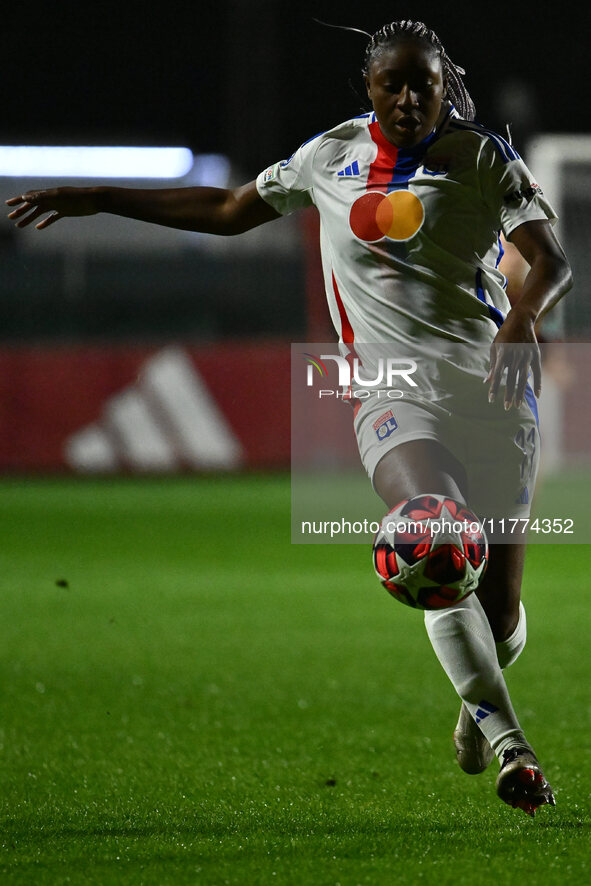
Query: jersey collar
x=391, y=150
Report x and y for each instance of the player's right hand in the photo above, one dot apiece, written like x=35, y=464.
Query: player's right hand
x=59, y=202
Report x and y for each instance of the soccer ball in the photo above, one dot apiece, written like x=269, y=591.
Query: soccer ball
x=430, y=552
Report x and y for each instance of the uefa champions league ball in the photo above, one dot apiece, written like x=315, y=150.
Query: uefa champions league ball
x=430, y=552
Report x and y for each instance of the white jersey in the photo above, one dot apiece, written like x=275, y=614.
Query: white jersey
x=410, y=237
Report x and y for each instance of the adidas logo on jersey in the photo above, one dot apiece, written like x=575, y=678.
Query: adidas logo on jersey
x=353, y=169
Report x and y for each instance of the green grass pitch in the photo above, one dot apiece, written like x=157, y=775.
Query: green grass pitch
x=189, y=699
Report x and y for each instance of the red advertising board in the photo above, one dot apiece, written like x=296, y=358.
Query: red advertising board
x=174, y=407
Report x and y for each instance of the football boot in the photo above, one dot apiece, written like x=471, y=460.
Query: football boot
x=473, y=751
x=521, y=782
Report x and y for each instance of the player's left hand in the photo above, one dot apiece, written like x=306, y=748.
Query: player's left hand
x=58, y=202
x=515, y=348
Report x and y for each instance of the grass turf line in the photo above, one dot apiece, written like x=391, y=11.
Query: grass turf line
x=204, y=703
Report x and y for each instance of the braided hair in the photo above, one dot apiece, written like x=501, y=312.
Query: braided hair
x=389, y=34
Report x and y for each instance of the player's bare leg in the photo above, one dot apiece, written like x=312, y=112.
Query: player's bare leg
x=421, y=466
x=500, y=589
x=464, y=640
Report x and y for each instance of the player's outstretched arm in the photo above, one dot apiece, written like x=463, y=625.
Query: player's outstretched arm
x=207, y=210
x=548, y=279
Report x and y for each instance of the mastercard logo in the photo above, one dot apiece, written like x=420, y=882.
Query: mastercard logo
x=397, y=216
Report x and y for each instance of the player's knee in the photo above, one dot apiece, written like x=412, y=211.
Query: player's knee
x=500, y=601
x=503, y=621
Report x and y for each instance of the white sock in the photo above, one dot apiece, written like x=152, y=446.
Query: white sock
x=465, y=646
x=509, y=650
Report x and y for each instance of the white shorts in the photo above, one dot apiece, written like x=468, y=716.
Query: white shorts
x=499, y=450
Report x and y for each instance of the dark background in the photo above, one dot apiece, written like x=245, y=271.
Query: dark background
x=251, y=79
x=254, y=79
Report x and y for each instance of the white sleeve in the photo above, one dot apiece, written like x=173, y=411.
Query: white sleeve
x=510, y=190
x=288, y=185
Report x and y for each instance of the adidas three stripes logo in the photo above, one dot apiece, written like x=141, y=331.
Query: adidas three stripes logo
x=353, y=169
x=484, y=709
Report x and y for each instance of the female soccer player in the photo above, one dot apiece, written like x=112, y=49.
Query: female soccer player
x=412, y=199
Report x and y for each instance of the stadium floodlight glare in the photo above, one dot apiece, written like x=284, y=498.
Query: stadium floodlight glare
x=34, y=161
